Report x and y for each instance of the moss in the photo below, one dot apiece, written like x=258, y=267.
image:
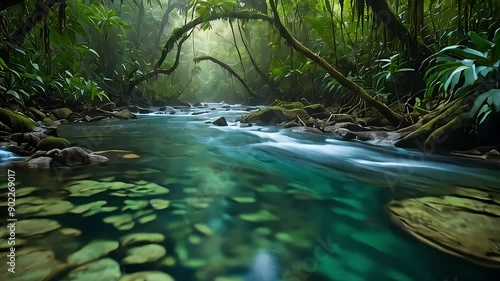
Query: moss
x=274, y=115
x=37, y=114
x=61, y=113
x=51, y=143
x=291, y=105
x=315, y=108
x=15, y=121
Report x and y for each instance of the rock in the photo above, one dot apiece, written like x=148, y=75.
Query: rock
x=125, y=114
x=61, y=113
x=50, y=143
x=37, y=114
x=315, y=109
x=100, y=270
x=144, y=254
x=135, y=205
x=147, y=276
x=146, y=219
x=16, y=122
x=92, y=206
x=203, y=229
x=200, y=112
x=261, y=216
x=291, y=105
x=110, y=106
x=347, y=125
x=123, y=221
x=139, y=237
x=221, y=121
x=274, y=115
x=463, y=226
x=304, y=129
x=32, y=227
x=33, y=264
x=244, y=199
x=159, y=204
x=40, y=163
x=92, y=251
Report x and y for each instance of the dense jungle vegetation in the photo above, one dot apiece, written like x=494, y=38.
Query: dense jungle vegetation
x=430, y=66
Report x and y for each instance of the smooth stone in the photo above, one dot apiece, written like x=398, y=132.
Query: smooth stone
x=140, y=237
x=100, y=270
x=92, y=251
x=159, y=204
x=147, y=276
x=135, y=205
x=144, y=254
x=204, y=229
x=32, y=227
x=261, y=216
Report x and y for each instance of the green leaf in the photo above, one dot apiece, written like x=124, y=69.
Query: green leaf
x=481, y=44
x=494, y=99
x=14, y=94
x=463, y=52
x=478, y=103
x=496, y=40
x=485, y=111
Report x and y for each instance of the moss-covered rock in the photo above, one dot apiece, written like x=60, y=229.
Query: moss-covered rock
x=51, y=143
x=37, y=114
x=315, y=108
x=16, y=122
x=125, y=114
x=274, y=115
x=291, y=105
x=61, y=113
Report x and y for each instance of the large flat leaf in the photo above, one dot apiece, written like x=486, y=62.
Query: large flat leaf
x=494, y=99
x=481, y=44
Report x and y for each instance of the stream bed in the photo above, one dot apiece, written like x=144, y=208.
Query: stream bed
x=218, y=195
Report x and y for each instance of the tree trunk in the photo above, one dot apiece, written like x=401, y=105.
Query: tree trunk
x=394, y=118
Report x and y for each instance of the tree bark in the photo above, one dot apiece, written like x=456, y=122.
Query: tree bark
x=393, y=117
x=229, y=69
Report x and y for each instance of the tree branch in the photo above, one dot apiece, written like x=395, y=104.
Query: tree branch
x=229, y=69
x=391, y=116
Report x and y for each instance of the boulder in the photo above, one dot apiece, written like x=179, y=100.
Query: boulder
x=125, y=114
x=16, y=122
x=274, y=115
x=110, y=106
x=465, y=225
x=221, y=121
x=61, y=113
x=50, y=143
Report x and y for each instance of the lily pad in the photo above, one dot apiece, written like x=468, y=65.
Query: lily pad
x=93, y=251
x=140, y=237
x=144, y=254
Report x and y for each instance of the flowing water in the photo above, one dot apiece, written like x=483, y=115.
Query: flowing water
x=317, y=204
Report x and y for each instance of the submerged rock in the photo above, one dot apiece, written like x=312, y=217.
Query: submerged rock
x=147, y=276
x=140, y=237
x=93, y=251
x=32, y=227
x=144, y=254
x=100, y=270
x=464, y=227
x=261, y=216
x=33, y=264
x=61, y=113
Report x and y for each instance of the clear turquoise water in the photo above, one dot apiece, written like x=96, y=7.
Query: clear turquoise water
x=326, y=195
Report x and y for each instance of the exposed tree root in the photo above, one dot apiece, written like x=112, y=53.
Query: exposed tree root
x=434, y=129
